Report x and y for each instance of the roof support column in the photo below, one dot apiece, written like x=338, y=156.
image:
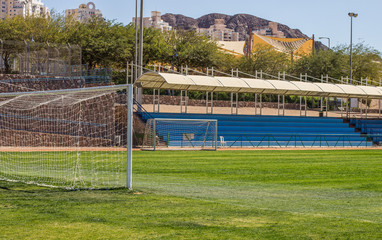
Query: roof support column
x=209, y=103
x=379, y=108
x=281, y=105
x=348, y=104
x=156, y=100
x=327, y=106
x=183, y=101
x=258, y=104
x=322, y=104
x=234, y=104
x=361, y=107
x=366, y=108
x=303, y=106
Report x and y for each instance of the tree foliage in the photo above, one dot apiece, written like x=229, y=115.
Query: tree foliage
x=336, y=63
x=109, y=44
x=265, y=59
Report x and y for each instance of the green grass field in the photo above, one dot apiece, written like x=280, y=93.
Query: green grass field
x=212, y=195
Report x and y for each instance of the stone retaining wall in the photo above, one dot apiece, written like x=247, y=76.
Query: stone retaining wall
x=175, y=100
x=27, y=83
x=13, y=138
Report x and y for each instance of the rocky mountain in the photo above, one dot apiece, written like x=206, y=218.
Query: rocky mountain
x=240, y=23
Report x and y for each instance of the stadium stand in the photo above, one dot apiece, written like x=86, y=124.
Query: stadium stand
x=371, y=127
x=277, y=131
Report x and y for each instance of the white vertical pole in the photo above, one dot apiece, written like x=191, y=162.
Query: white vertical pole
x=255, y=103
x=181, y=101
x=283, y=105
x=366, y=107
x=231, y=103
x=237, y=103
x=306, y=105
x=129, y=184
x=216, y=135
x=300, y=105
x=207, y=93
x=186, y=99
x=212, y=102
x=155, y=134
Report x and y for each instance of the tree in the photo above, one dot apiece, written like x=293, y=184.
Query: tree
x=336, y=63
x=103, y=43
x=266, y=59
x=190, y=48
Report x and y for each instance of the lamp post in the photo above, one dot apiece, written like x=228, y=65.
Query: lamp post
x=138, y=48
x=351, y=15
x=136, y=43
x=328, y=40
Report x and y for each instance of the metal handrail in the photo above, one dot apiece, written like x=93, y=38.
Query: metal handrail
x=295, y=139
x=307, y=77
x=141, y=110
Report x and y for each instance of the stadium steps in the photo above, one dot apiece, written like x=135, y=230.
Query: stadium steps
x=371, y=127
x=274, y=131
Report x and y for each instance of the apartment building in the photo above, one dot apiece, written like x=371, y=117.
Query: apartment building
x=155, y=21
x=84, y=12
x=219, y=32
x=11, y=8
x=271, y=31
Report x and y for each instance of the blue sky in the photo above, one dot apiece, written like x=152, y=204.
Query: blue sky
x=324, y=18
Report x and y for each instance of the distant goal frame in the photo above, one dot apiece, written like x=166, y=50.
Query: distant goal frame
x=205, y=146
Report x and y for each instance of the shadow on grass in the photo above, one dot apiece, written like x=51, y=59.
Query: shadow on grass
x=34, y=188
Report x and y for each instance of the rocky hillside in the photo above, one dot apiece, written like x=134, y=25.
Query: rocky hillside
x=240, y=23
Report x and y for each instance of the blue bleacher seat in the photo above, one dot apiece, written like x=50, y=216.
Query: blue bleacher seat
x=371, y=127
x=278, y=131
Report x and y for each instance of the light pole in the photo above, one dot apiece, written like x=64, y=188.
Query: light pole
x=136, y=43
x=328, y=40
x=351, y=15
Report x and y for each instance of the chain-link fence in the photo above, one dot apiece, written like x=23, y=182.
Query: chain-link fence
x=32, y=58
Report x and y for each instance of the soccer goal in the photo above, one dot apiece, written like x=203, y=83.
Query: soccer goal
x=180, y=134
x=76, y=139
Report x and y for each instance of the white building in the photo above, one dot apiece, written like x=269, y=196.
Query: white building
x=155, y=21
x=11, y=8
x=84, y=12
x=219, y=32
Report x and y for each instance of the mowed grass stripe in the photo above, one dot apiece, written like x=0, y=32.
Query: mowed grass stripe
x=212, y=195
x=335, y=183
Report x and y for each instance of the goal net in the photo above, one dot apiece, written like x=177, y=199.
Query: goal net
x=67, y=138
x=180, y=134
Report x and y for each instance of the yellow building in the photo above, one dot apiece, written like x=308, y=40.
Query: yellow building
x=297, y=47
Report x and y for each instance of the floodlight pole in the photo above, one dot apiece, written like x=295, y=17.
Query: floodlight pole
x=139, y=92
x=351, y=15
x=136, y=43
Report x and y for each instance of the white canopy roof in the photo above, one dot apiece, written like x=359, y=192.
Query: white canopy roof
x=174, y=81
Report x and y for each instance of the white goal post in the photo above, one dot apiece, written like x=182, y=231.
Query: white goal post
x=180, y=134
x=73, y=138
